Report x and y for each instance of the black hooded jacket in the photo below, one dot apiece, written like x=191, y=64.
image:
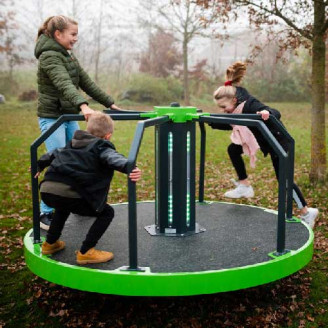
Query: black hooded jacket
x=252, y=105
x=86, y=164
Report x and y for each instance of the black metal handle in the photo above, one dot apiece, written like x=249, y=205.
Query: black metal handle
x=34, y=159
x=283, y=165
x=132, y=194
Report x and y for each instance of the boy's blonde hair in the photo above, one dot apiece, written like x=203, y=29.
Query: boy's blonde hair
x=234, y=75
x=53, y=23
x=100, y=124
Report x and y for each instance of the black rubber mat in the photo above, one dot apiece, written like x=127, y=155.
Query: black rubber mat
x=235, y=236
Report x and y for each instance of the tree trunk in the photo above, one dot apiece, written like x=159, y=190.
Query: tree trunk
x=318, y=133
x=98, y=42
x=185, y=72
x=326, y=69
x=74, y=9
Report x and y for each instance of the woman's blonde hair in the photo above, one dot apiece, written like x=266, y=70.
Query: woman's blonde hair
x=234, y=75
x=100, y=124
x=53, y=23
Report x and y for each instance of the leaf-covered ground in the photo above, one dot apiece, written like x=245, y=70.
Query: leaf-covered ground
x=300, y=300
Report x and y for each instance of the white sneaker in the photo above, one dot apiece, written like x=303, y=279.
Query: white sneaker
x=236, y=183
x=310, y=216
x=240, y=191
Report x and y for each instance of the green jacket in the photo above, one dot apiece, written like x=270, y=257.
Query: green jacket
x=59, y=78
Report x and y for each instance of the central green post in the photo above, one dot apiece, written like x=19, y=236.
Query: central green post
x=175, y=173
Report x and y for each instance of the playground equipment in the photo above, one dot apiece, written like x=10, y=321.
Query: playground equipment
x=184, y=247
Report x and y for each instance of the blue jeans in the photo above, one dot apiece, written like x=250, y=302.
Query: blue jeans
x=58, y=139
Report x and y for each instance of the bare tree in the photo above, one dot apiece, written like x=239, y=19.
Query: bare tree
x=164, y=58
x=181, y=17
x=147, y=21
x=187, y=21
x=10, y=46
x=305, y=22
x=100, y=23
x=326, y=69
x=98, y=32
x=74, y=9
x=121, y=58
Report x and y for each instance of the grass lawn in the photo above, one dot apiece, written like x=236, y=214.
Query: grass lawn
x=300, y=300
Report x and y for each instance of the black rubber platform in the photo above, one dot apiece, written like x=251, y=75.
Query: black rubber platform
x=236, y=236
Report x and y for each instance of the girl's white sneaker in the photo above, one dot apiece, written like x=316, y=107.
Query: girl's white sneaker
x=240, y=191
x=310, y=217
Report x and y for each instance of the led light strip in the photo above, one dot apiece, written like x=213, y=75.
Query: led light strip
x=188, y=181
x=170, y=168
x=156, y=177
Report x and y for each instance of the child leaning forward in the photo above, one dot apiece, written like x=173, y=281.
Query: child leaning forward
x=233, y=99
x=78, y=180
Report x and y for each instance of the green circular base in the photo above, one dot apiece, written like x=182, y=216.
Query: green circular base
x=147, y=283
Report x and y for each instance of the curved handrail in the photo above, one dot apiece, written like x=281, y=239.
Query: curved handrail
x=123, y=111
x=291, y=153
x=34, y=159
x=33, y=152
x=132, y=195
x=282, y=167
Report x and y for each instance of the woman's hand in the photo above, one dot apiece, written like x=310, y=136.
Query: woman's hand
x=86, y=111
x=264, y=114
x=113, y=106
x=135, y=175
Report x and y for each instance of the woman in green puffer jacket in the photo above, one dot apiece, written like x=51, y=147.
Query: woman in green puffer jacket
x=60, y=77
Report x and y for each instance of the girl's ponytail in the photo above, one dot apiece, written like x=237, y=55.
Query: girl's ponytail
x=44, y=27
x=234, y=75
x=53, y=23
x=236, y=72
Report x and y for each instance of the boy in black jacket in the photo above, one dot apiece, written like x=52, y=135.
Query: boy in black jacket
x=78, y=180
x=233, y=99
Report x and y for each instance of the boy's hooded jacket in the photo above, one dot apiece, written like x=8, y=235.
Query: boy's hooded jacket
x=252, y=105
x=59, y=78
x=86, y=164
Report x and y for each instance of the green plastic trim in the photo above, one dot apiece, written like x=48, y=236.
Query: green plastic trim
x=190, y=117
x=147, y=283
x=149, y=115
x=176, y=114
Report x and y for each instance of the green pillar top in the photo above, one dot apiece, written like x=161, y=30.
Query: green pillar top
x=176, y=114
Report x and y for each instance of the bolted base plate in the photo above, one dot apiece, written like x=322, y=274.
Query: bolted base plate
x=170, y=232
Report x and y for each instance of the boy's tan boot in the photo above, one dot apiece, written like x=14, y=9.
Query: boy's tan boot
x=93, y=256
x=52, y=248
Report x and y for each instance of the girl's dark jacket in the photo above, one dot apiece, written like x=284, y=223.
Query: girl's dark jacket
x=252, y=106
x=86, y=164
x=59, y=78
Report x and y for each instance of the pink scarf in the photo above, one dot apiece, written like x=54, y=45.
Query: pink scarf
x=242, y=135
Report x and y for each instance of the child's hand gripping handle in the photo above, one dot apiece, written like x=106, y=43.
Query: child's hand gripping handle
x=135, y=174
x=264, y=114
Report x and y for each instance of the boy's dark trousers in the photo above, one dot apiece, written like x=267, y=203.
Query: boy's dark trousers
x=64, y=206
x=235, y=152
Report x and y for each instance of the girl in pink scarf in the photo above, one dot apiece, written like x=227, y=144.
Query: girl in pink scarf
x=233, y=99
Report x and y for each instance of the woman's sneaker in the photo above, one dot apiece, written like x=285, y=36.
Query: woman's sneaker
x=310, y=216
x=93, y=256
x=45, y=220
x=240, y=191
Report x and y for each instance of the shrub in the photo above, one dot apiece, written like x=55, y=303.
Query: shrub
x=28, y=95
x=148, y=89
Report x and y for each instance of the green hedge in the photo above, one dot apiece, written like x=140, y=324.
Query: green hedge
x=145, y=88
